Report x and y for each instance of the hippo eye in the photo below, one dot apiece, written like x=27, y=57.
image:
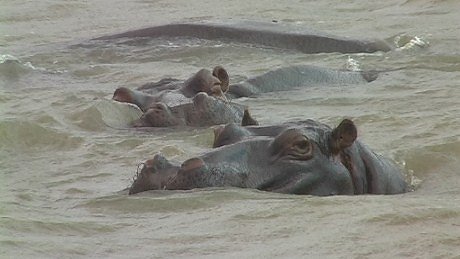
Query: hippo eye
x=159, y=106
x=292, y=145
x=302, y=146
x=300, y=149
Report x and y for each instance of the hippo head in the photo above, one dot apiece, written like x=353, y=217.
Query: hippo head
x=154, y=175
x=371, y=173
x=125, y=95
x=158, y=115
x=204, y=110
x=294, y=161
x=214, y=83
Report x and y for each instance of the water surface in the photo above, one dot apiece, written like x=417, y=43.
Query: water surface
x=65, y=153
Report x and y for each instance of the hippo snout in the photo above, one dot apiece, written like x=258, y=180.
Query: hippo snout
x=155, y=174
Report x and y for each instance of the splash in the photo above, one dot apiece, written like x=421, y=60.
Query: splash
x=352, y=65
x=406, y=42
x=12, y=68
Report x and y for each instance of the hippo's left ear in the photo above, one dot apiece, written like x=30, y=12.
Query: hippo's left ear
x=123, y=95
x=247, y=119
x=343, y=136
x=217, y=132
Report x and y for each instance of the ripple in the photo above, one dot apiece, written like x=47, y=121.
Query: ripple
x=55, y=227
x=175, y=201
x=419, y=215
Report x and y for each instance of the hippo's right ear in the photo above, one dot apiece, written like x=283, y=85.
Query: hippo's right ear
x=343, y=136
x=222, y=75
x=247, y=119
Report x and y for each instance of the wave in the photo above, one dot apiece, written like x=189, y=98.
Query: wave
x=435, y=167
x=175, y=201
x=12, y=68
x=28, y=136
x=106, y=113
x=429, y=3
x=430, y=158
x=54, y=227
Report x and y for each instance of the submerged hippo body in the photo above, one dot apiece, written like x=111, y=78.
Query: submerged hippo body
x=291, y=77
x=267, y=34
x=308, y=158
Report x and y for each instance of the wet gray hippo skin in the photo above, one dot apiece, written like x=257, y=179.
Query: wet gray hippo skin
x=280, y=79
x=204, y=110
x=268, y=34
x=287, y=78
x=304, y=159
x=174, y=92
x=232, y=132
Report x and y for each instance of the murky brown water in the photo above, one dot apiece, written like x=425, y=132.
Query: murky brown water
x=64, y=156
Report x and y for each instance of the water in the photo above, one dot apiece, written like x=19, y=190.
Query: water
x=65, y=155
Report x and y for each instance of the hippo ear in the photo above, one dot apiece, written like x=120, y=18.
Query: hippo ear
x=247, y=119
x=222, y=75
x=124, y=95
x=217, y=132
x=343, y=136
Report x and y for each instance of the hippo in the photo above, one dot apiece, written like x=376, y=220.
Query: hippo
x=273, y=34
x=305, y=158
x=204, y=110
x=198, y=101
x=173, y=92
x=281, y=79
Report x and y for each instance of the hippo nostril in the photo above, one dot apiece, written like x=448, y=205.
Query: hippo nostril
x=149, y=163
